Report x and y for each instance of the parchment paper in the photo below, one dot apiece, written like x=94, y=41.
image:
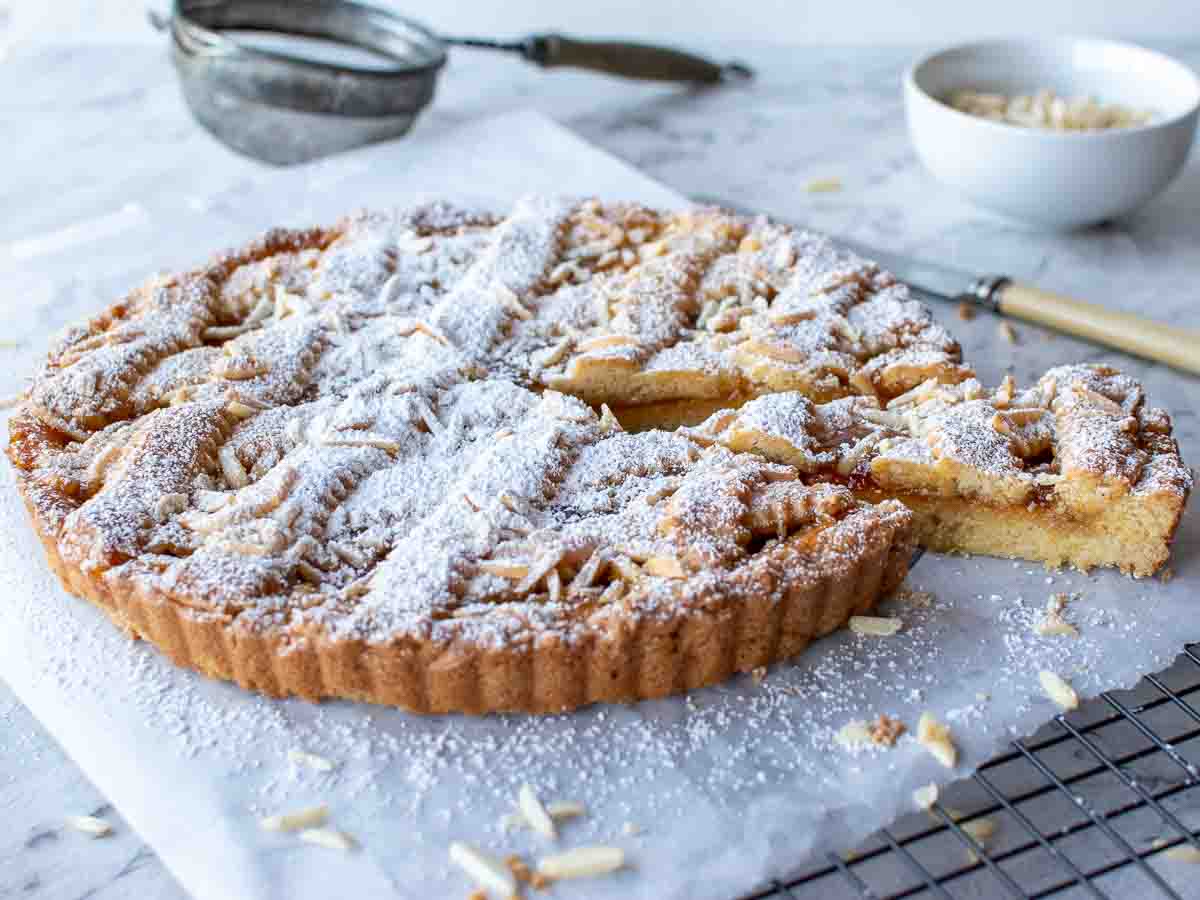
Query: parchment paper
x=710, y=794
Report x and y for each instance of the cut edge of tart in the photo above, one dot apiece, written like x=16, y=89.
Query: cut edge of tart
x=1075, y=470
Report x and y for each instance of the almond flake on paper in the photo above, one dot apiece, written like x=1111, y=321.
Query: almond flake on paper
x=1054, y=625
x=535, y=813
x=1058, y=690
x=484, y=869
x=565, y=809
x=875, y=626
x=935, y=737
x=824, y=185
x=329, y=838
x=92, y=825
x=310, y=761
x=582, y=862
x=309, y=817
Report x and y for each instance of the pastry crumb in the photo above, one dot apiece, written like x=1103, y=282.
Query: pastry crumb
x=966, y=311
x=919, y=599
x=886, y=730
x=924, y=797
x=519, y=868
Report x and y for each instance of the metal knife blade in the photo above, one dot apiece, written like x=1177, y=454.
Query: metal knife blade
x=931, y=278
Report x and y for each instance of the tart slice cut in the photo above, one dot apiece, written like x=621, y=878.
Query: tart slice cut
x=1075, y=470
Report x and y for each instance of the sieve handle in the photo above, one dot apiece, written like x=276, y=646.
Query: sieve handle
x=624, y=58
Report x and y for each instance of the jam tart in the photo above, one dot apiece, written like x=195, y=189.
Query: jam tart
x=423, y=458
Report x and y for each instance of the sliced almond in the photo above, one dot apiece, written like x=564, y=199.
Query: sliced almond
x=824, y=185
x=510, y=301
x=608, y=422
x=327, y=837
x=875, y=626
x=1184, y=853
x=309, y=817
x=606, y=341
x=935, y=737
x=582, y=862
x=1054, y=625
x=925, y=797
x=232, y=468
x=223, y=332
x=979, y=829
x=544, y=359
x=310, y=760
x=535, y=813
x=92, y=825
x=504, y=568
x=665, y=567
x=1058, y=690
x=484, y=869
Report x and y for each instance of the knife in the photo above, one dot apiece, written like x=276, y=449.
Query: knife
x=1176, y=347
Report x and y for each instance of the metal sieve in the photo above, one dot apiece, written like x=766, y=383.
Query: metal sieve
x=286, y=108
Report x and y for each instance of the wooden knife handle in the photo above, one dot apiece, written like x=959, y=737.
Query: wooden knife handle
x=1178, y=347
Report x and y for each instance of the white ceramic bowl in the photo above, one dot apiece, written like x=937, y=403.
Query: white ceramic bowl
x=1048, y=178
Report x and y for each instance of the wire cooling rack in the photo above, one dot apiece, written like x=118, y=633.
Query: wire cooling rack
x=1093, y=805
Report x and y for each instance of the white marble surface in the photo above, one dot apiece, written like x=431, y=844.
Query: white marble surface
x=98, y=124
